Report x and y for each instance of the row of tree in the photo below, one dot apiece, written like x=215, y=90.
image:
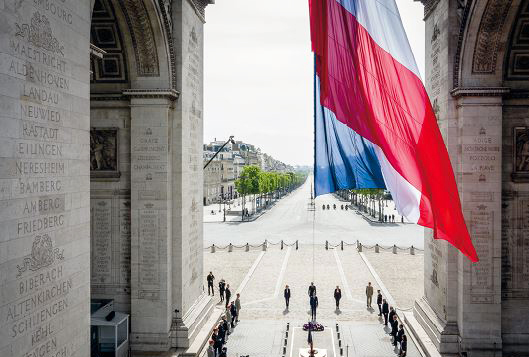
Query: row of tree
x=266, y=185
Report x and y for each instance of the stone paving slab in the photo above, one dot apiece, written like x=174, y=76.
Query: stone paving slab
x=402, y=274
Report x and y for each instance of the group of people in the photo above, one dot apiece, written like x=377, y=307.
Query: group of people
x=397, y=333
x=389, y=218
x=229, y=319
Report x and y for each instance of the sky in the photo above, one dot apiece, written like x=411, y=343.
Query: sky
x=258, y=73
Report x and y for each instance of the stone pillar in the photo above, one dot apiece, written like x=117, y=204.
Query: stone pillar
x=193, y=305
x=480, y=185
x=44, y=179
x=151, y=211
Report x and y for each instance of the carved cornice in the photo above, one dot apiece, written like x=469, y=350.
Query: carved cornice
x=479, y=91
x=489, y=36
x=97, y=52
x=429, y=6
x=200, y=7
x=142, y=35
x=170, y=94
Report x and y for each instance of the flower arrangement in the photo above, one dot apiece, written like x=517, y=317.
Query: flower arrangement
x=314, y=326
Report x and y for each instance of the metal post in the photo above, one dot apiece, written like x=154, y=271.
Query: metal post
x=342, y=245
x=412, y=250
x=296, y=245
x=213, y=248
x=230, y=248
x=326, y=245
x=377, y=249
x=394, y=249
x=247, y=247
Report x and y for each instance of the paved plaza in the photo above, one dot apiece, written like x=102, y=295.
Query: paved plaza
x=261, y=275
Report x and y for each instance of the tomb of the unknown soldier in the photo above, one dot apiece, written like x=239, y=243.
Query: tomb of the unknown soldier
x=106, y=239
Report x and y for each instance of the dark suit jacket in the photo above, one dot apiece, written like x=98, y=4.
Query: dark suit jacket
x=379, y=299
x=385, y=308
x=227, y=292
x=233, y=310
x=286, y=294
x=391, y=314
x=394, y=327
x=312, y=290
x=399, y=334
x=337, y=294
x=313, y=302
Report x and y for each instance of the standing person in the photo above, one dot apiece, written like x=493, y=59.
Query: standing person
x=222, y=287
x=400, y=333
x=222, y=333
x=211, y=349
x=369, y=294
x=403, y=346
x=238, y=306
x=313, y=306
x=391, y=314
x=233, y=310
x=228, y=319
x=286, y=294
x=224, y=352
x=394, y=329
x=385, y=311
x=312, y=289
x=337, y=296
x=379, y=302
x=210, y=279
x=226, y=327
x=227, y=294
x=218, y=342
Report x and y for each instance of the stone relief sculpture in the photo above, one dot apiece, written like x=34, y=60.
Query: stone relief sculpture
x=103, y=152
x=39, y=34
x=521, y=154
x=42, y=255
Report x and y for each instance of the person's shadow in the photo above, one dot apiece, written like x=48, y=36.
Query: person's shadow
x=286, y=311
x=370, y=309
x=338, y=311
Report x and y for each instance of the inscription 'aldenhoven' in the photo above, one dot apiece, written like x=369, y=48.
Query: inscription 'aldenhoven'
x=40, y=76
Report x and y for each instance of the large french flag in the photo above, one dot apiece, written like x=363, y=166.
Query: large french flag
x=375, y=127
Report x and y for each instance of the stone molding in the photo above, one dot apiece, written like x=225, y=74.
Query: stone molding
x=479, y=91
x=200, y=7
x=429, y=6
x=96, y=51
x=142, y=35
x=170, y=94
x=464, y=9
x=489, y=36
x=166, y=10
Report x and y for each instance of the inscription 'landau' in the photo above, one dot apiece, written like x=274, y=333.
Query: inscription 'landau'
x=42, y=255
x=39, y=34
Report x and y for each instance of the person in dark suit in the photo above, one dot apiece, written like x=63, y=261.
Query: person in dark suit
x=222, y=333
x=227, y=294
x=385, y=311
x=210, y=279
x=400, y=333
x=286, y=294
x=337, y=296
x=312, y=289
x=234, y=312
x=313, y=306
x=394, y=329
x=403, y=346
x=379, y=303
x=217, y=344
x=222, y=287
x=391, y=314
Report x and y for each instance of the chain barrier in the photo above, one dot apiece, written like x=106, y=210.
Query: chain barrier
x=328, y=245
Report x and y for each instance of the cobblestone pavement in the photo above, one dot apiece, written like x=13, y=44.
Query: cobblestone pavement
x=264, y=316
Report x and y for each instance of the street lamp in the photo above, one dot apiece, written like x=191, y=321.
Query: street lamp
x=230, y=140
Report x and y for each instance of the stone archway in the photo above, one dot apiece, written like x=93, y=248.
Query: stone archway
x=480, y=99
x=145, y=98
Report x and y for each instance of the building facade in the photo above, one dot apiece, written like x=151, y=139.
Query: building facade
x=477, y=77
x=101, y=172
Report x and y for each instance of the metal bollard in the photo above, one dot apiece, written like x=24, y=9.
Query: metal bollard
x=337, y=328
x=341, y=351
x=360, y=247
x=394, y=249
x=230, y=248
x=288, y=325
x=339, y=343
x=296, y=245
x=377, y=248
x=264, y=245
x=412, y=250
x=213, y=248
x=326, y=245
x=281, y=244
x=247, y=247
x=342, y=245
